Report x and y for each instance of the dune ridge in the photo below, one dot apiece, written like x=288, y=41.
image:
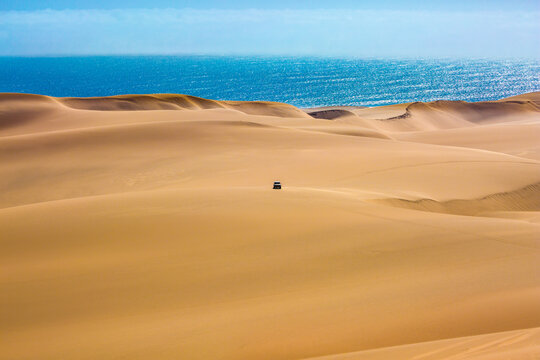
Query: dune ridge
x=511, y=345
x=178, y=102
x=524, y=199
x=441, y=114
x=146, y=226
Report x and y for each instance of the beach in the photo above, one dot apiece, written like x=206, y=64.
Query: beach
x=146, y=227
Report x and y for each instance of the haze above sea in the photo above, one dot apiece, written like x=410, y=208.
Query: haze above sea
x=300, y=81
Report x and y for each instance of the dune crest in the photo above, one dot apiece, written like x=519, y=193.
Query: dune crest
x=438, y=115
x=510, y=345
x=525, y=199
x=178, y=102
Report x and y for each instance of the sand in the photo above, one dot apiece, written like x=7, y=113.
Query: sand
x=146, y=227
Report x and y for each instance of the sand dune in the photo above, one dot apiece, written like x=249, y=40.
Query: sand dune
x=509, y=345
x=145, y=226
x=178, y=102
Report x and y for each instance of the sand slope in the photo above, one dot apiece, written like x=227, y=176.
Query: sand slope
x=509, y=345
x=145, y=226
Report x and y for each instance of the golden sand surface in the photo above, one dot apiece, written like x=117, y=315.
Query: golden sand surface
x=146, y=227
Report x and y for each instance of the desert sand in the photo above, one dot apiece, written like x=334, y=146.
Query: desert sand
x=146, y=227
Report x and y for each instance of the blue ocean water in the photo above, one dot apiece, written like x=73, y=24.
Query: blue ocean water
x=301, y=81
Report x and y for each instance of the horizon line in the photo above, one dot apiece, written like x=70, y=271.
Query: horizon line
x=269, y=55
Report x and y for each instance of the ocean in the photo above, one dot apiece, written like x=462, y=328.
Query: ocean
x=301, y=81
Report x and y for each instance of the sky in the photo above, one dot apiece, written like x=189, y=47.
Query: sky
x=383, y=28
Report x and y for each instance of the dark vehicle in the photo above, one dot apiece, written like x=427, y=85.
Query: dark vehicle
x=277, y=185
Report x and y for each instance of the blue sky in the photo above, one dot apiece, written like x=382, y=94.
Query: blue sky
x=384, y=28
